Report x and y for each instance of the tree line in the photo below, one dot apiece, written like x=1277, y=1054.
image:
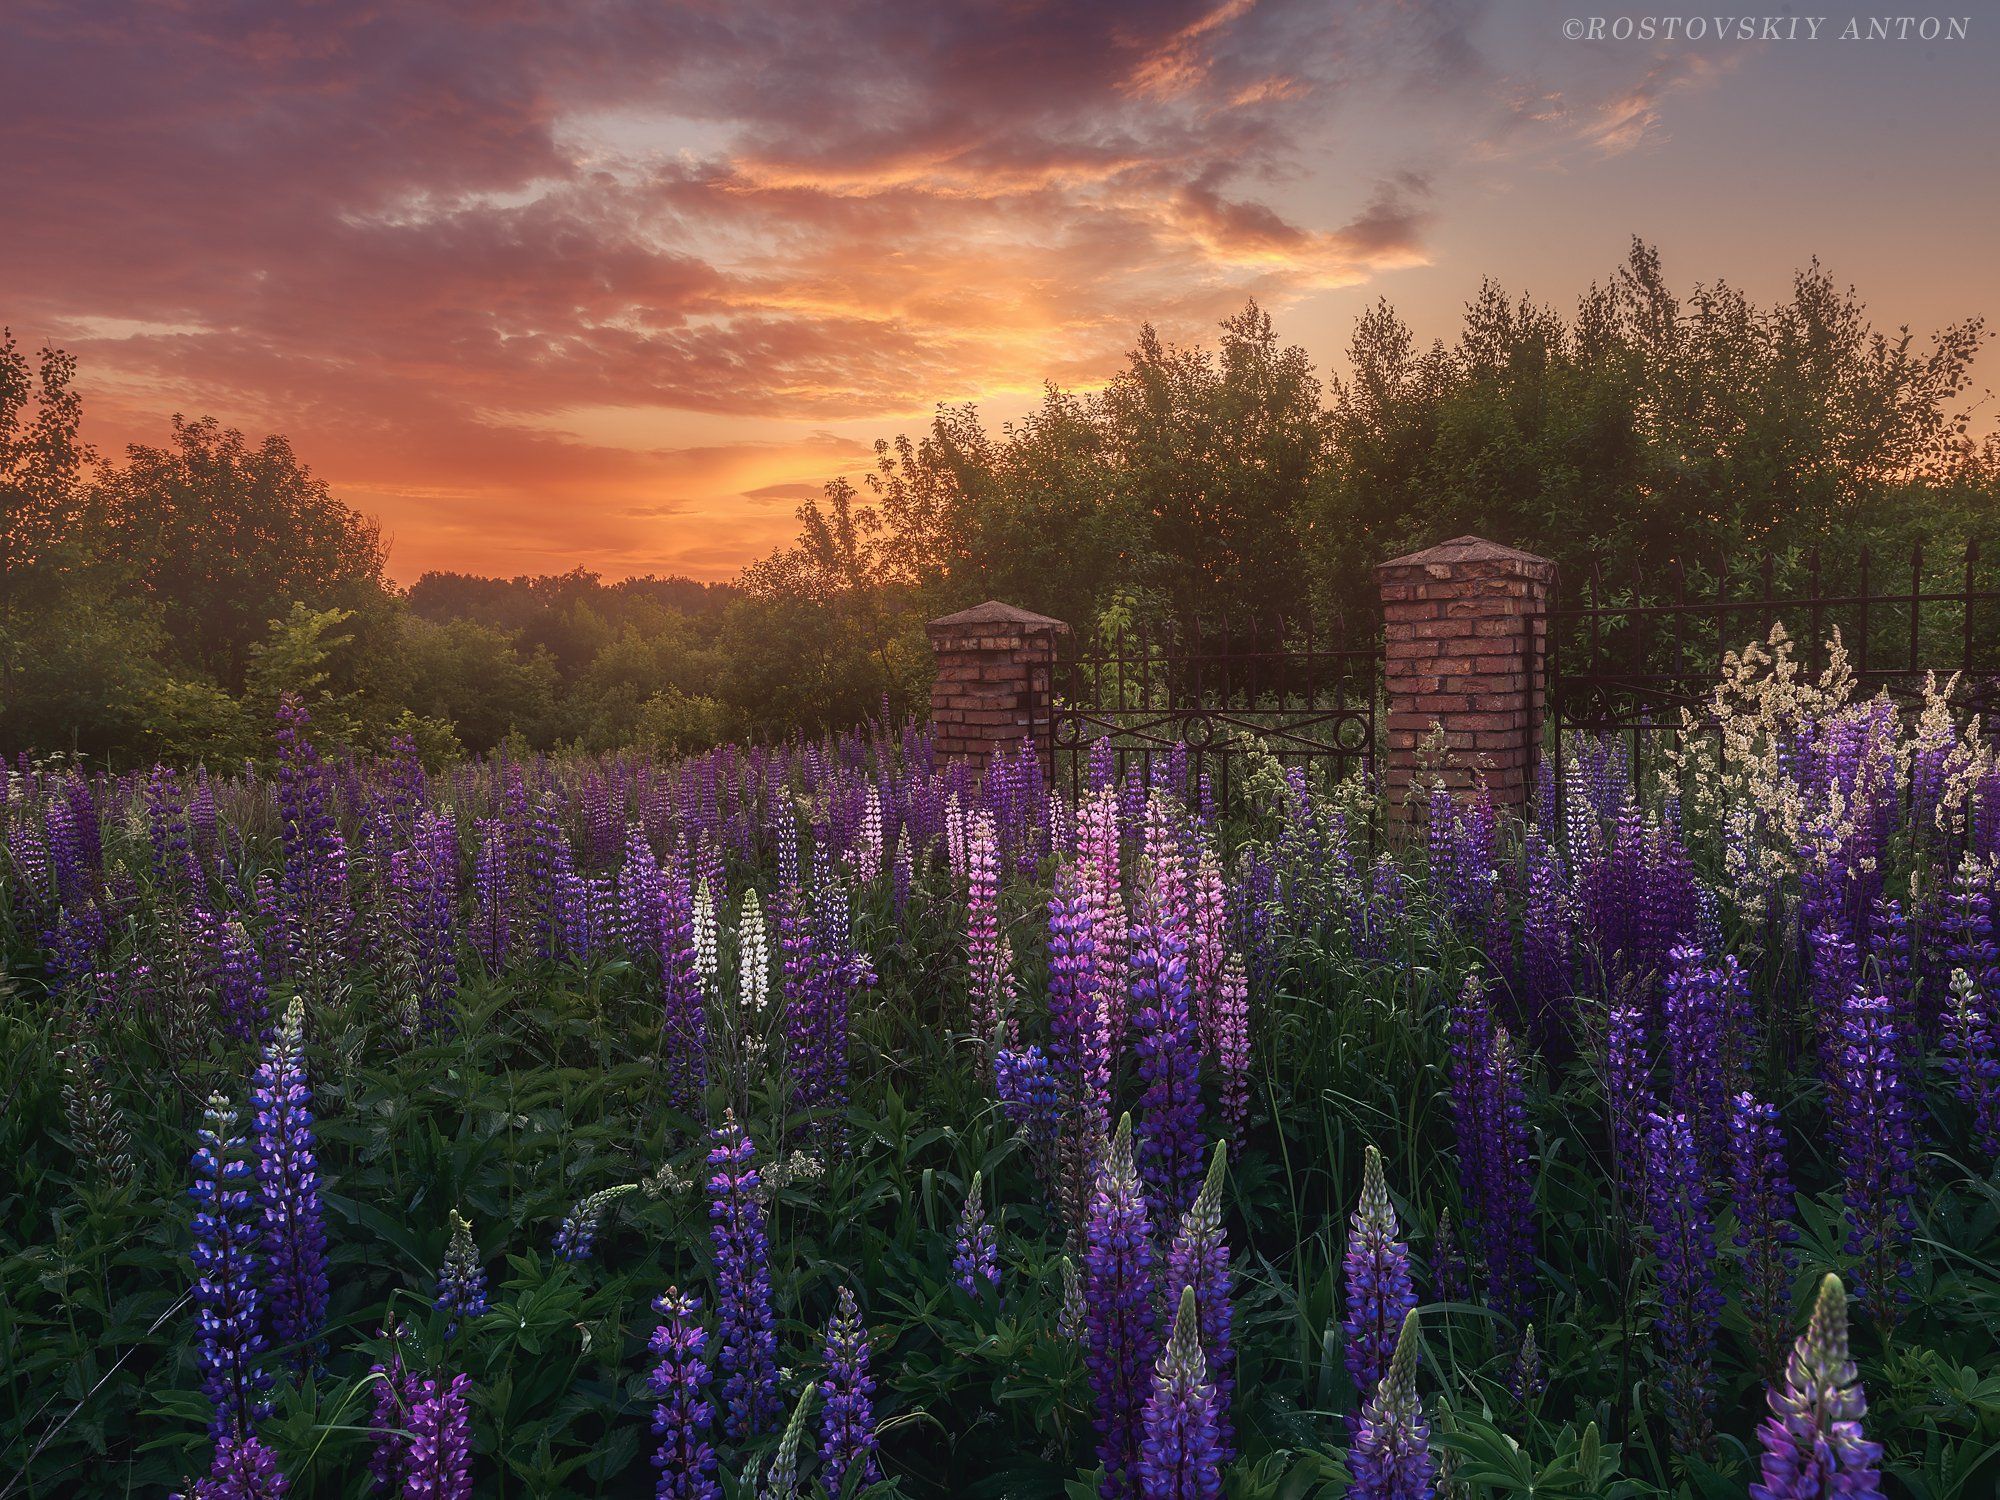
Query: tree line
x=158, y=606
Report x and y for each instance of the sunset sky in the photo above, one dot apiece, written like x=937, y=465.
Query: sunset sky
x=617, y=284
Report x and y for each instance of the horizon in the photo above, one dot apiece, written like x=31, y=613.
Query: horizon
x=620, y=297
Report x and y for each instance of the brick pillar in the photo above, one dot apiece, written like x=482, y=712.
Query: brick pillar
x=991, y=691
x=1462, y=652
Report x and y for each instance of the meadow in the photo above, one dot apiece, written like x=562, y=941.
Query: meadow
x=824, y=1119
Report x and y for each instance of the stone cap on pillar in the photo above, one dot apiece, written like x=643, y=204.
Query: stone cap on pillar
x=1446, y=557
x=995, y=618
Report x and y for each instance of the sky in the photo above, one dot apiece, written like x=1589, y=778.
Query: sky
x=617, y=283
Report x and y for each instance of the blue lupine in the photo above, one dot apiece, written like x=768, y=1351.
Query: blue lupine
x=1119, y=1300
x=228, y=1307
x=747, y=1343
x=847, y=1412
x=1379, y=1290
x=1762, y=1193
x=1812, y=1441
x=683, y=1416
x=288, y=1196
x=1180, y=1449
x=1391, y=1457
x=975, y=1261
x=576, y=1236
x=461, y=1288
x=1168, y=1049
x=1684, y=1253
x=1877, y=1152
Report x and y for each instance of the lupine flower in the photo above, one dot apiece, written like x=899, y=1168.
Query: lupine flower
x=707, y=962
x=1972, y=1058
x=1376, y=1270
x=228, y=1307
x=1627, y=1089
x=747, y=1345
x=1180, y=1453
x=1702, y=1005
x=396, y=1395
x=1169, y=1054
x=1812, y=1442
x=1119, y=1298
x=492, y=933
x=294, y=1226
x=683, y=1414
x=683, y=1010
x=1032, y=1100
x=1763, y=1196
x=1071, y=1321
x=244, y=1469
x=982, y=925
x=1448, y=1273
x=1232, y=1055
x=1524, y=1376
x=1079, y=1051
x=781, y=1481
x=847, y=1413
x=461, y=1288
x=975, y=1261
x=95, y=1123
x=1690, y=1302
x=1495, y=1148
x=1391, y=1456
x=1198, y=1261
x=440, y=1456
x=1877, y=1153
x=576, y=1239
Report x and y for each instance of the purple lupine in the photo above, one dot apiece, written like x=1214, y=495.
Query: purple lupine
x=1702, y=1006
x=228, y=1307
x=975, y=1259
x=1379, y=1290
x=492, y=930
x=1198, y=1261
x=1812, y=1442
x=461, y=1286
x=1877, y=1153
x=1032, y=1100
x=1391, y=1457
x=1119, y=1298
x=683, y=1007
x=426, y=877
x=1627, y=1089
x=1762, y=1193
x=747, y=1342
x=1496, y=1150
x=396, y=1393
x=288, y=1197
x=847, y=1410
x=1079, y=1050
x=1546, y=962
x=237, y=972
x=1684, y=1253
x=1972, y=1058
x=244, y=1469
x=439, y=1464
x=1168, y=1050
x=683, y=1416
x=1180, y=1449
x=314, y=885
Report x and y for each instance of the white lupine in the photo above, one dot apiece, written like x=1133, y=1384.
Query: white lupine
x=753, y=957
x=706, y=963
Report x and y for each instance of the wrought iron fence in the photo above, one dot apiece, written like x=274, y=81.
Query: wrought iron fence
x=1623, y=660
x=1310, y=699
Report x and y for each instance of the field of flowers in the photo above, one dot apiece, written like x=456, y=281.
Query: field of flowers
x=823, y=1119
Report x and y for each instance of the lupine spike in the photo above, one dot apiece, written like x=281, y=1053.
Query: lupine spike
x=1391, y=1457
x=288, y=1191
x=461, y=1289
x=1380, y=1292
x=1812, y=1444
x=1118, y=1294
x=1180, y=1454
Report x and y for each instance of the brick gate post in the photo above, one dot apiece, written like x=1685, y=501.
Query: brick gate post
x=1462, y=653
x=992, y=686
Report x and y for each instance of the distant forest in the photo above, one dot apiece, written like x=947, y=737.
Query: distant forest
x=159, y=605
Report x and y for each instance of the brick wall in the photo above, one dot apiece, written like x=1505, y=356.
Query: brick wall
x=991, y=691
x=1457, y=623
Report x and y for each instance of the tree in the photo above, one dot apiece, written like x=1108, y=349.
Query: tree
x=42, y=457
x=225, y=537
